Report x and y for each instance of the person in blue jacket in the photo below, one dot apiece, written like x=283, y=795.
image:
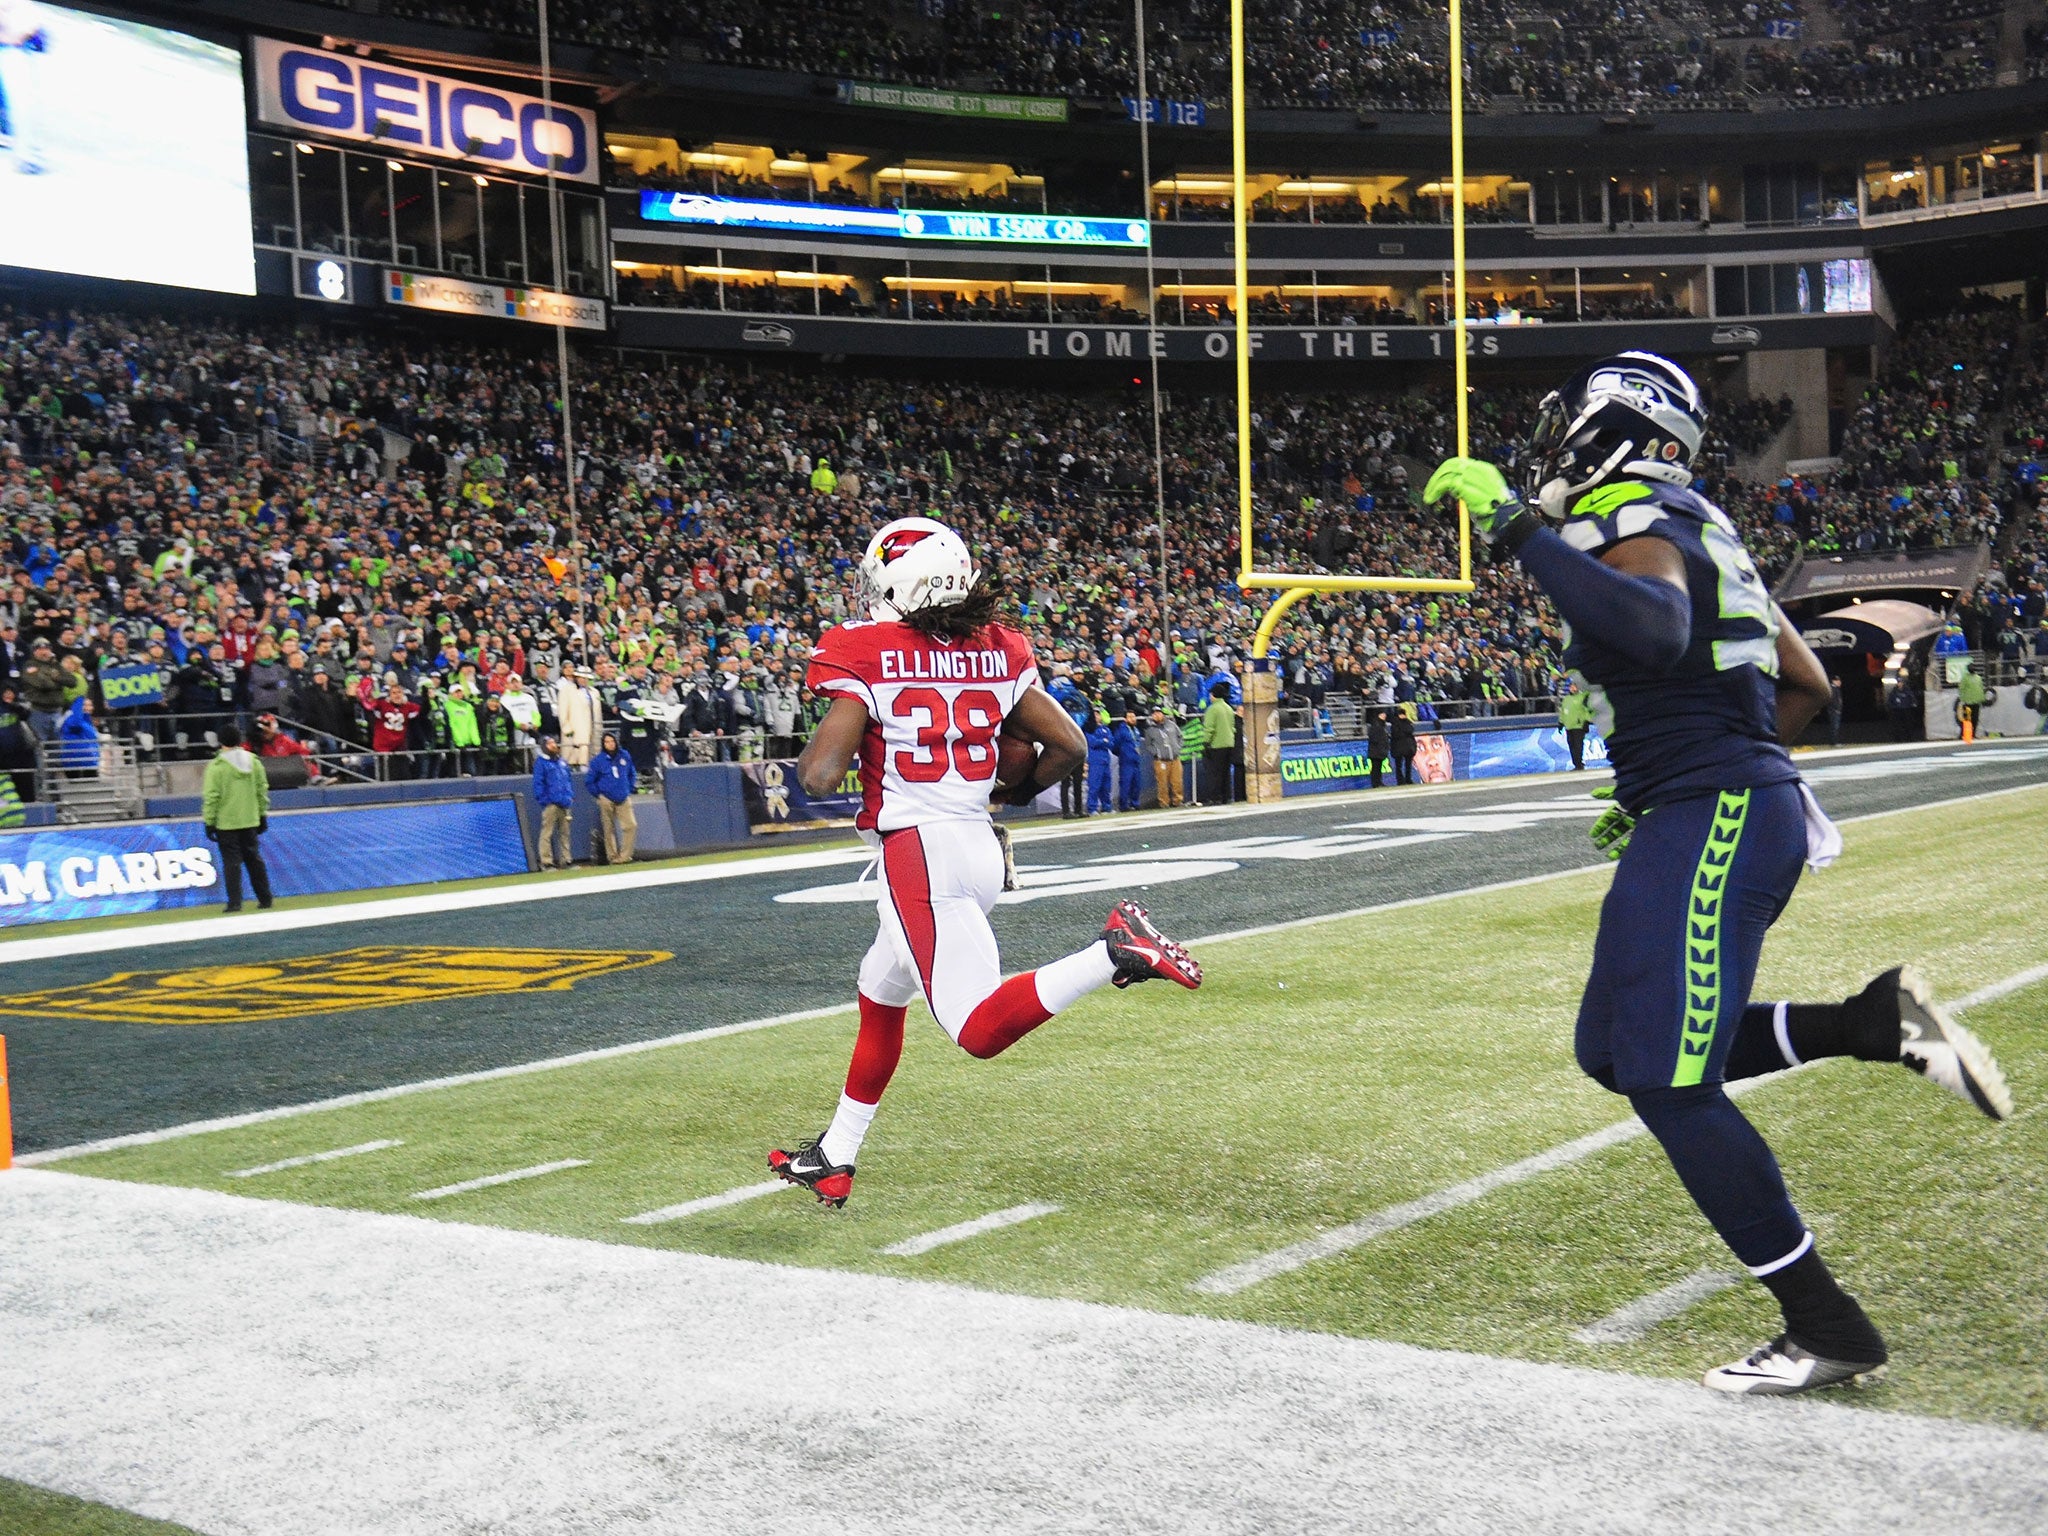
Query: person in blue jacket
x=1068, y=695
x=1123, y=738
x=610, y=780
x=78, y=739
x=1100, y=760
x=555, y=793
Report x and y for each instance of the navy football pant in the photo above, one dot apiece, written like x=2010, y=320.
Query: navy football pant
x=1668, y=1000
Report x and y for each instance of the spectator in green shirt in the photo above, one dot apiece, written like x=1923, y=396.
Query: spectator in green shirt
x=235, y=805
x=1219, y=737
x=1969, y=701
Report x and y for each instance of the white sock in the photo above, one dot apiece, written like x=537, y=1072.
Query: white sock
x=850, y=1122
x=1065, y=982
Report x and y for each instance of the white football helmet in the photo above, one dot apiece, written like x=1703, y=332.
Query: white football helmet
x=912, y=564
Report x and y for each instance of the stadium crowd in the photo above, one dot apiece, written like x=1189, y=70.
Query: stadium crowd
x=366, y=536
x=1379, y=54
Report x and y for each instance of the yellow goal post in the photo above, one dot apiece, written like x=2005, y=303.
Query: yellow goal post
x=1293, y=586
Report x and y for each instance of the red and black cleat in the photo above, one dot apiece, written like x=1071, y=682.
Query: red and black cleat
x=1141, y=951
x=807, y=1166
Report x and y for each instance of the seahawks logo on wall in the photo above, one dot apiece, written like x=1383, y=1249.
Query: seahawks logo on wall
x=899, y=544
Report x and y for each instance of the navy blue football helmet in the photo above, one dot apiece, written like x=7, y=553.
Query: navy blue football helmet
x=1632, y=416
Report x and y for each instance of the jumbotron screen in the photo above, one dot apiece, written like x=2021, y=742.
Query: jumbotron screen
x=123, y=151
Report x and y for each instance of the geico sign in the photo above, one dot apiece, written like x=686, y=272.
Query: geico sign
x=350, y=98
x=111, y=874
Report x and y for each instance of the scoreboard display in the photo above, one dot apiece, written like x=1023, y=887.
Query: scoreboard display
x=123, y=151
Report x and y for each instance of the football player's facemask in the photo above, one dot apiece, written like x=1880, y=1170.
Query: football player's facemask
x=912, y=564
x=1633, y=416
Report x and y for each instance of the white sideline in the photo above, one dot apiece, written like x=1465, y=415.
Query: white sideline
x=1241, y=1276
x=14, y=951
x=314, y=1157
x=959, y=1232
x=363, y=1374
x=489, y=1180
x=1626, y=1324
x=704, y=1203
x=719, y=1031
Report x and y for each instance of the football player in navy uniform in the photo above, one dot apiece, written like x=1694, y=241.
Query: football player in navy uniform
x=1697, y=681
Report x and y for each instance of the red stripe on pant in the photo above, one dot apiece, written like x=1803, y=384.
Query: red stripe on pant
x=910, y=892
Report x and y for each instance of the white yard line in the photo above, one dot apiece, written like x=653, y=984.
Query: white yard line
x=314, y=1157
x=1998, y=989
x=959, y=1232
x=1626, y=1324
x=491, y=1180
x=1247, y=1273
x=704, y=1203
x=364, y=1374
x=1241, y=1276
x=635, y=1047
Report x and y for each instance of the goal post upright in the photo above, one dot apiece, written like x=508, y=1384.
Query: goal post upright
x=1262, y=684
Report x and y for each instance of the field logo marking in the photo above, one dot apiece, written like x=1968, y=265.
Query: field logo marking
x=377, y=976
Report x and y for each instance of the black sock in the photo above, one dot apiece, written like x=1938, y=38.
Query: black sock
x=1865, y=1026
x=1821, y=1317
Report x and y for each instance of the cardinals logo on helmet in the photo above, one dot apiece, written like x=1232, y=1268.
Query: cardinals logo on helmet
x=899, y=543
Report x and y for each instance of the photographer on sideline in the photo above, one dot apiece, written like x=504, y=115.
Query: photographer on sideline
x=235, y=805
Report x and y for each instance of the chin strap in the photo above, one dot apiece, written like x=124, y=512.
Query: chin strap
x=1555, y=497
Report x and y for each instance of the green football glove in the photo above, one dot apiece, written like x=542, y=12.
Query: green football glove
x=1483, y=489
x=1610, y=830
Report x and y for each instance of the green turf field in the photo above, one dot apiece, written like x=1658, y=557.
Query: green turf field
x=27, y=1511
x=1320, y=1075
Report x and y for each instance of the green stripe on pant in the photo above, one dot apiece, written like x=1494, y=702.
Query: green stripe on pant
x=1703, y=938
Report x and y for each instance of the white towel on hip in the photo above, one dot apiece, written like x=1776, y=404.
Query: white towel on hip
x=1823, y=837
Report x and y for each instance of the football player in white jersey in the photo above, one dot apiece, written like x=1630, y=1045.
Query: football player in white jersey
x=924, y=693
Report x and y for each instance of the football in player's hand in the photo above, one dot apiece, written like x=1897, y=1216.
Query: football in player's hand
x=1016, y=760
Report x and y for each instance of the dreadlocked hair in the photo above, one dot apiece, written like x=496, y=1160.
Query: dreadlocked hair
x=972, y=614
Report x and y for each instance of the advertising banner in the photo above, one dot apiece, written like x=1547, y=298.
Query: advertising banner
x=1323, y=767
x=1952, y=569
x=777, y=802
x=55, y=875
x=458, y=296
x=406, y=110
x=918, y=98
x=131, y=686
x=967, y=228
x=1500, y=754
